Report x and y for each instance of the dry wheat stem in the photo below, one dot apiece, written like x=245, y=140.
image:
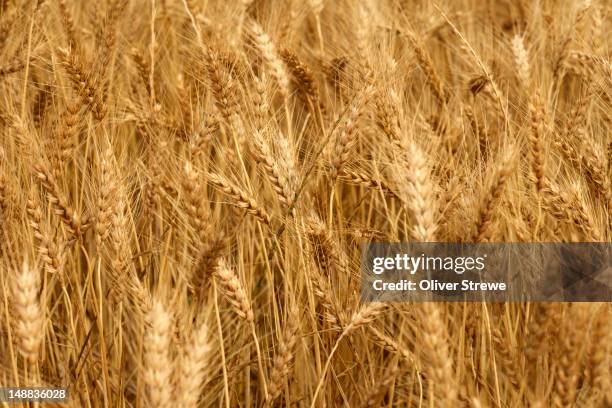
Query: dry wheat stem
x=364, y=316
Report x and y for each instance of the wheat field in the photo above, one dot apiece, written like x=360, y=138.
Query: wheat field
x=185, y=186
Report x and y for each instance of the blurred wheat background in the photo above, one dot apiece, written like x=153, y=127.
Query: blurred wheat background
x=185, y=184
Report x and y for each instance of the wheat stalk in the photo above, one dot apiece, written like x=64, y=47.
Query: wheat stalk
x=436, y=350
x=419, y=195
x=361, y=317
x=47, y=248
x=281, y=367
x=240, y=197
x=537, y=148
x=521, y=59
x=76, y=223
x=493, y=195
x=107, y=189
x=192, y=368
x=267, y=50
x=158, y=364
x=234, y=292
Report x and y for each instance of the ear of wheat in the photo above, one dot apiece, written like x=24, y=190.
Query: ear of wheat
x=192, y=187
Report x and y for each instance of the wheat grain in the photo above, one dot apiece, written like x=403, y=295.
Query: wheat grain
x=521, y=58
x=192, y=368
x=28, y=323
x=267, y=49
x=492, y=197
x=47, y=248
x=536, y=137
x=436, y=349
x=240, y=197
x=281, y=368
x=106, y=192
x=77, y=223
x=158, y=364
x=419, y=195
x=234, y=292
